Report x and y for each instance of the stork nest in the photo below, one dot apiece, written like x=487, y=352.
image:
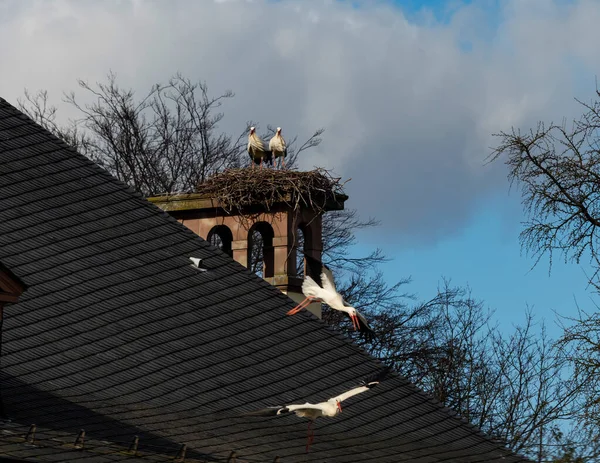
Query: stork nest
x=239, y=189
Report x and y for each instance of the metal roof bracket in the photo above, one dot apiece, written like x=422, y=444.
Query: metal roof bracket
x=29, y=438
x=134, y=445
x=79, y=440
x=181, y=454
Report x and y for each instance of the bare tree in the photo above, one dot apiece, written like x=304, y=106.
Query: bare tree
x=38, y=107
x=574, y=445
x=166, y=141
x=558, y=170
x=582, y=336
x=514, y=387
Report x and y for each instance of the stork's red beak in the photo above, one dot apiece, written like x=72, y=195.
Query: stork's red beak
x=339, y=406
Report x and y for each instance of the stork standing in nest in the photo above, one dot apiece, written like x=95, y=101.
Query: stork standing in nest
x=278, y=148
x=257, y=149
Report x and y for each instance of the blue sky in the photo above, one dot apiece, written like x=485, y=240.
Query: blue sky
x=441, y=9
x=486, y=256
x=409, y=93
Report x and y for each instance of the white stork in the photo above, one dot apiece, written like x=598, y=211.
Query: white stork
x=278, y=148
x=257, y=149
x=329, y=408
x=328, y=294
x=196, y=263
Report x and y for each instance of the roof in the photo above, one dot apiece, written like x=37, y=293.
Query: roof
x=19, y=444
x=119, y=335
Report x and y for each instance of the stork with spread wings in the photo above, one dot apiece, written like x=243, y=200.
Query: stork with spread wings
x=327, y=293
x=329, y=408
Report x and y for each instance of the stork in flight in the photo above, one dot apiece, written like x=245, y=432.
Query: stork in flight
x=329, y=408
x=257, y=150
x=278, y=148
x=328, y=294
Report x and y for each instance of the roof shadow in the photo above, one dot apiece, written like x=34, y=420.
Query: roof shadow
x=57, y=414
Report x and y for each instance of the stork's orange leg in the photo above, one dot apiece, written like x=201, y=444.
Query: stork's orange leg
x=305, y=303
x=310, y=436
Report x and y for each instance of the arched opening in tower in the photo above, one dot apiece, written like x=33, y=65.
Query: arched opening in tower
x=221, y=237
x=261, y=256
x=299, y=245
x=306, y=247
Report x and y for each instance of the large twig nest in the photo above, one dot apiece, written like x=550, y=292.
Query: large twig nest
x=238, y=189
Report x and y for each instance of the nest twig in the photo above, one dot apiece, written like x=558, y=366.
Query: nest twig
x=239, y=189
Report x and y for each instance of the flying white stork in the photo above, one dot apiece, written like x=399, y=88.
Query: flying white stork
x=257, y=150
x=328, y=294
x=329, y=408
x=278, y=148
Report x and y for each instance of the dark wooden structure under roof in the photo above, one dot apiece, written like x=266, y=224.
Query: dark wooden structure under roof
x=10, y=287
x=119, y=335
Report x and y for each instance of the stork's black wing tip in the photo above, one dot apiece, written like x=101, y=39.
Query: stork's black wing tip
x=314, y=267
x=374, y=379
x=367, y=333
x=364, y=327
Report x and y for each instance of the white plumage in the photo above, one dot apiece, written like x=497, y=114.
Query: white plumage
x=277, y=147
x=196, y=262
x=329, y=408
x=257, y=149
x=327, y=293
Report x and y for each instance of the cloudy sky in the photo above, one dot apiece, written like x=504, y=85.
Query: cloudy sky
x=410, y=93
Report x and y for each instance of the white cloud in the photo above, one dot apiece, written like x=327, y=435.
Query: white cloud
x=409, y=110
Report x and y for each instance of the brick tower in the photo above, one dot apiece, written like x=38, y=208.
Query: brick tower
x=277, y=220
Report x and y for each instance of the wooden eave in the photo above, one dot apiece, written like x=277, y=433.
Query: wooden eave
x=198, y=201
x=10, y=286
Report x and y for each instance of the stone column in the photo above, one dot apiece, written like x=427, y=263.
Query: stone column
x=240, y=251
